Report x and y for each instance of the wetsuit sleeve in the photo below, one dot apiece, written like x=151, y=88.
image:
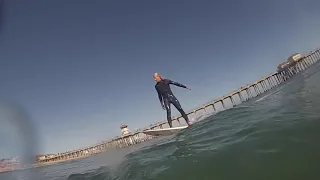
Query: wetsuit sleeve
x=160, y=97
x=176, y=83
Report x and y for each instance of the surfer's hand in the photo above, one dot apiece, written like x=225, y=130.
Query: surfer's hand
x=188, y=88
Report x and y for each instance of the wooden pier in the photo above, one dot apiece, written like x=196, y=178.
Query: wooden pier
x=285, y=71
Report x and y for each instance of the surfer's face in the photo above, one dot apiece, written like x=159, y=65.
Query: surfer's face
x=157, y=78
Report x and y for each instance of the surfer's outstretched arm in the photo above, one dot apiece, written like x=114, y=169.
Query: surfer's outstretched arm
x=177, y=84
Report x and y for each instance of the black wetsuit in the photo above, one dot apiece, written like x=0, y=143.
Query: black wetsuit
x=166, y=98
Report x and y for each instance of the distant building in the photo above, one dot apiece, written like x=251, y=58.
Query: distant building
x=294, y=58
x=40, y=157
x=283, y=65
x=51, y=155
x=124, y=130
x=291, y=61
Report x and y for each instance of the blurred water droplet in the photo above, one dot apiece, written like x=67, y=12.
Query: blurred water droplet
x=18, y=140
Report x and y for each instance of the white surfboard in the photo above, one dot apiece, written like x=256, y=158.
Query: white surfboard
x=164, y=132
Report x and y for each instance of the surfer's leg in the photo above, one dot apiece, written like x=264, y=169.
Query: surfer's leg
x=176, y=104
x=168, y=109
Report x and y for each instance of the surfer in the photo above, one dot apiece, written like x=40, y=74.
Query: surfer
x=167, y=98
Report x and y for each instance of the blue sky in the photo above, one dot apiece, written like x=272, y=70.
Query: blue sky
x=82, y=69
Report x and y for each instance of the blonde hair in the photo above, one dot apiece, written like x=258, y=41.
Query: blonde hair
x=157, y=74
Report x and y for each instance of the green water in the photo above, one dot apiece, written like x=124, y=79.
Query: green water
x=269, y=138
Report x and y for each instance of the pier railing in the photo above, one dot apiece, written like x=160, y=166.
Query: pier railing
x=238, y=96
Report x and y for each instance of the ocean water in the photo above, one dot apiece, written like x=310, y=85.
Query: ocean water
x=275, y=136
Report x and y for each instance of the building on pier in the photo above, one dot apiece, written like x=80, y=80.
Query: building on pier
x=283, y=66
x=288, y=67
x=291, y=61
x=40, y=157
x=124, y=130
x=295, y=58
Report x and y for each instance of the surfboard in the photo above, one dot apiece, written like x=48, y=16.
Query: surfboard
x=164, y=132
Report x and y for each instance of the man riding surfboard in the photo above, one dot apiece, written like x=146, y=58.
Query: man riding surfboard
x=167, y=98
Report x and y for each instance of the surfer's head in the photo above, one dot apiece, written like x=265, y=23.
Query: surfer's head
x=157, y=77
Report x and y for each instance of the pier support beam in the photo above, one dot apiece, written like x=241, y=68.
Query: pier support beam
x=214, y=109
x=240, y=97
x=223, y=104
x=232, y=101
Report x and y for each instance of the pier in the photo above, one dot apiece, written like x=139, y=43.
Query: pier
x=286, y=71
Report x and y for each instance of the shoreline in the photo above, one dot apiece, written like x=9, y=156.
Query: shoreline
x=42, y=164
